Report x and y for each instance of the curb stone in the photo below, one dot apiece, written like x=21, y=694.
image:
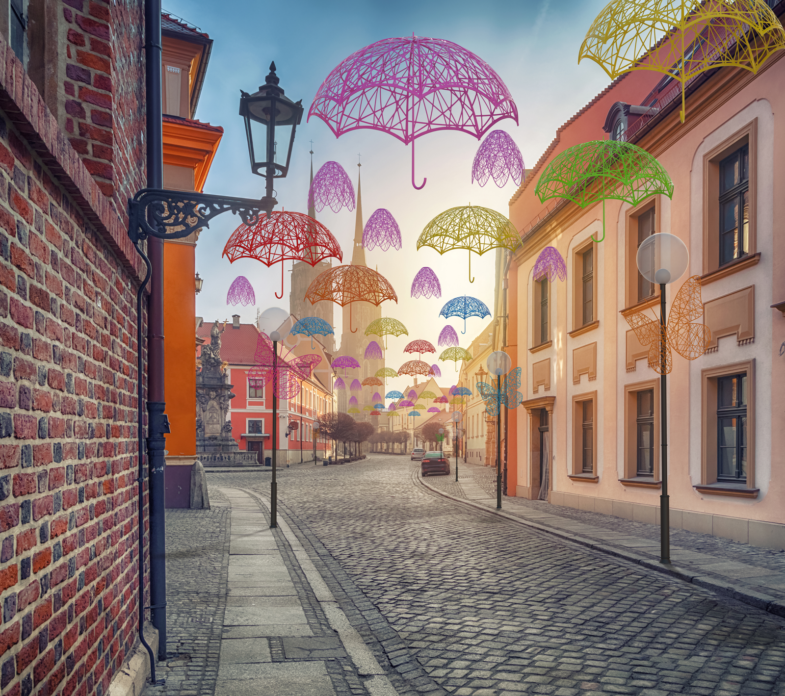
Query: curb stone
x=759, y=600
x=130, y=680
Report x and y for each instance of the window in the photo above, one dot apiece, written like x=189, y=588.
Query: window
x=645, y=230
x=641, y=223
x=543, y=310
x=584, y=437
x=588, y=286
x=734, y=206
x=255, y=389
x=584, y=287
x=732, y=428
x=619, y=128
x=729, y=205
x=645, y=433
x=728, y=430
x=255, y=427
x=18, y=24
x=587, y=444
x=540, y=328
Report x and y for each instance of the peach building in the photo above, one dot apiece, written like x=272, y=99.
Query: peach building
x=588, y=433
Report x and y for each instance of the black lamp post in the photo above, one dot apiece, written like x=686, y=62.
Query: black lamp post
x=274, y=337
x=499, y=364
x=270, y=117
x=156, y=214
x=662, y=258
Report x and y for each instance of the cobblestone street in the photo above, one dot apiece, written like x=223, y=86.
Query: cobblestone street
x=457, y=600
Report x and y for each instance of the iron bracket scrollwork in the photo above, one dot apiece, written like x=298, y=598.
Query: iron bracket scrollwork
x=176, y=214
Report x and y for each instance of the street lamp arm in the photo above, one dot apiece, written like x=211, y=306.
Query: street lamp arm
x=169, y=214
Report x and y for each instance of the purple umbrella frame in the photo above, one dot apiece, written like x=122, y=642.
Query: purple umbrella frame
x=382, y=230
x=331, y=187
x=241, y=292
x=436, y=371
x=373, y=88
x=499, y=157
x=448, y=338
x=551, y=264
x=356, y=385
x=373, y=351
x=426, y=284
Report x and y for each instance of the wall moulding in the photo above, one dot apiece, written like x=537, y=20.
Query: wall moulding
x=541, y=375
x=732, y=314
x=584, y=362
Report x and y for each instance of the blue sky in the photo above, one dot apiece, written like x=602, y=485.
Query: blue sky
x=533, y=46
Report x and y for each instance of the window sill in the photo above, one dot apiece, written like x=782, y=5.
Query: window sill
x=585, y=329
x=729, y=489
x=652, y=301
x=540, y=347
x=586, y=478
x=641, y=482
x=730, y=268
x=252, y=435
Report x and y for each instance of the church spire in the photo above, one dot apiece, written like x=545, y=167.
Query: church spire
x=311, y=204
x=358, y=253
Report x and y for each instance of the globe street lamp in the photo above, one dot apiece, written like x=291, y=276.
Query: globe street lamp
x=499, y=364
x=275, y=336
x=663, y=258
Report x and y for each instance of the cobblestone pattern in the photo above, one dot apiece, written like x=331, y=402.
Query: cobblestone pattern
x=723, y=549
x=197, y=569
x=488, y=607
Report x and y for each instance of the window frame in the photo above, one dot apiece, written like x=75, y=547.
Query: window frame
x=579, y=323
x=631, y=273
x=738, y=412
x=735, y=194
x=711, y=266
x=250, y=389
x=640, y=421
x=577, y=469
x=537, y=313
x=248, y=422
x=630, y=415
x=710, y=482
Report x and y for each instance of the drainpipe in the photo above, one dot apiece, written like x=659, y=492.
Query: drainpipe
x=505, y=320
x=156, y=418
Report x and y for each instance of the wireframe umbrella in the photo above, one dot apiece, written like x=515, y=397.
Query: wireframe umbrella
x=311, y=326
x=381, y=231
x=373, y=351
x=377, y=397
x=356, y=386
x=372, y=382
x=682, y=38
x=601, y=169
x=339, y=384
x=347, y=284
x=415, y=367
x=412, y=394
x=406, y=403
x=386, y=326
x=465, y=307
x=437, y=372
x=353, y=401
x=550, y=264
x=500, y=158
x=345, y=362
x=419, y=346
x=448, y=337
x=426, y=284
x=455, y=354
x=331, y=187
x=241, y=292
x=469, y=227
x=385, y=372
x=283, y=236
x=394, y=394
x=410, y=86
x=284, y=372
x=434, y=409
x=353, y=410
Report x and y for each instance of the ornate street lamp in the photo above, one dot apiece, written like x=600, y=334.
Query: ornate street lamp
x=270, y=118
x=198, y=282
x=499, y=364
x=663, y=258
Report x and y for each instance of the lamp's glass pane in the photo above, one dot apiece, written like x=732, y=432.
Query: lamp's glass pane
x=283, y=136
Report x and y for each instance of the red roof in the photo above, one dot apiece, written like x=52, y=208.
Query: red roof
x=193, y=122
x=238, y=346
x=177, y=25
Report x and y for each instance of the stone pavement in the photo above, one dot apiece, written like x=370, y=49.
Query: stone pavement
x=275, y=627
x=751, y=575
x=453, y=599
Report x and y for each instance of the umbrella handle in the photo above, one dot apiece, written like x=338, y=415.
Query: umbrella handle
x=603, y=225
x=683, y=112
x=424, y=180
x=464, y=327
x=350, y=320
x=471, y=280
x=276, y=294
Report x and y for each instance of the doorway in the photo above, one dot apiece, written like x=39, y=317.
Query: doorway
x=544, y=455
x=258, y=447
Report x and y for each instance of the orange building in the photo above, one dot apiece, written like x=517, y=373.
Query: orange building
x=189, y=149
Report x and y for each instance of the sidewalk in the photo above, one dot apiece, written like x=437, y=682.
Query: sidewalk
x=281, y=631
x=749, y=574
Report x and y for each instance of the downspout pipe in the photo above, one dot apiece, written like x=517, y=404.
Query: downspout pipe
x=505, y=321
x=156, y=418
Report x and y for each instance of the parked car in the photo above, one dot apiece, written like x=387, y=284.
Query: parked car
x=434, y=463
x=417, y=454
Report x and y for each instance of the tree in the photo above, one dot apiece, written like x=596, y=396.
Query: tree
x=338, y=427
x=430, y=433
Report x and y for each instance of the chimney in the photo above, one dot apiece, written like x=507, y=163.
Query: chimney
x=415, y=381
x=235, y=321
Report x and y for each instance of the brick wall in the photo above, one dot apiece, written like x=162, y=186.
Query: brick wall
x=104, y=99
x=68, y=495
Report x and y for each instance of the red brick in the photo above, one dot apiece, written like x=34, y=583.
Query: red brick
x=90, y=60
x=7, y=395
x=9, y=456
x=40, y=298
x=92, y=27
x=9, y=638
x=9, y=336
x=7, y=158
x=42, y=507
x=40, y=561
x=20, y=205
x=52, y=235
x=99, y=168
x=25, y=657
x=96, y=98
x=28, y=594
x=25, y=427
x=103, y=82
x=80, y=145
x=101, y=118
x=103, y=152
x=24, y=484
x=44, y=666
x=25, y=541
x=58, y=526
x=42, y=454
x=99, y=11
x=38, y=195
x=42, y=400
x=19, y=148
x=9, y=516
x=21, y=259
x=56, y=478
x=98, y=46
x=8, y=577
x=93, y=133
x=76, y=38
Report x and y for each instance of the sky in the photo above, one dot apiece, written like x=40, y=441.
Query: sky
x=531, y=44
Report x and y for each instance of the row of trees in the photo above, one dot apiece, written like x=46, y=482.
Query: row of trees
x=385, y=441
x=341, y=427
x=429, y=435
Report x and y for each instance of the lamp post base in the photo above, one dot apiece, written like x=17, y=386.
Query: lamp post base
x=665, y=526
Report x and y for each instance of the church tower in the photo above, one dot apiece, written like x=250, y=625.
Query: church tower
x=362, y=314
x=303, y=275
